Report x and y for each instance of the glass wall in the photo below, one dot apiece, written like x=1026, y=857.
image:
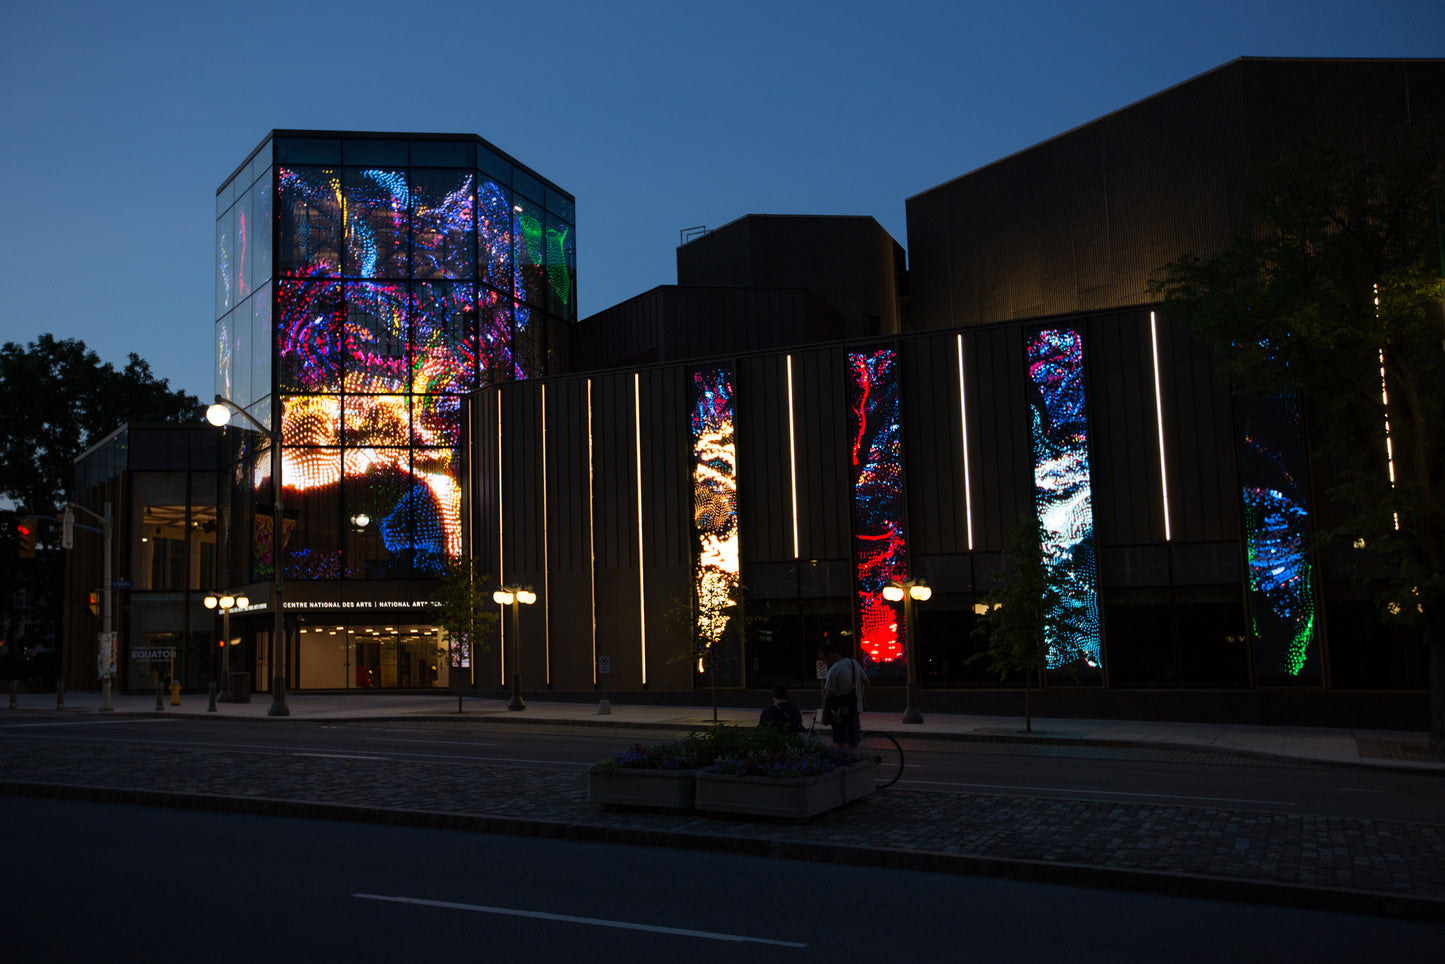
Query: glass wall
x=373, y=655
x=398, y=275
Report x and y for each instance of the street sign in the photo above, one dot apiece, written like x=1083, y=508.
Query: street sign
x=604, y=665
x=121, y=584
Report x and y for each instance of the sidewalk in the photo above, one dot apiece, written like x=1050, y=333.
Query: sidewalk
x=1343, y=864
x=1384, y=748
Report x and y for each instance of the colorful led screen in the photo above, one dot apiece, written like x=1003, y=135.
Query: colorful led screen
x=879, y=544
x=1063, y=496
x=401, y=289
x=1276, y=529
x=715, y=501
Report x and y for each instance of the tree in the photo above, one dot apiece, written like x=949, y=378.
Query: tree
x=465, y=612
x=61, y=399
x=1020, y=610
x=71, y=399
x=704, y=621
x=1332, y=289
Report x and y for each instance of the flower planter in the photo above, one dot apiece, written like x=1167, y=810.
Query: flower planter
x=859, y=780
x=655, y=789
x=795, y=798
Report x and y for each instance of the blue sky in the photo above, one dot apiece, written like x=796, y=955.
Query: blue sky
x=121, y=120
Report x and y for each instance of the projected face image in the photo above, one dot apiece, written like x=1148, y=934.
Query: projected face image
x=715, y=511
x=1063, y=493
x=879, y=549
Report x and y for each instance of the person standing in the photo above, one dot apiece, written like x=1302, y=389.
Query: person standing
x=782, y=712
x=844, y=689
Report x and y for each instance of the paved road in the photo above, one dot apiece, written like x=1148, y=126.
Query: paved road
x=1163, y=776
x=156, y=884
x=1340, y=862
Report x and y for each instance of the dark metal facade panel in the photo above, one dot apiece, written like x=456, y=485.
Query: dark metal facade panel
x=764, y=472
x=569, y=511
x=1124, y=436
x=484, y=480
x=1002, y=471
x=523, y=517
x=1083, y=221
x=1198, y=440
x=933, y=446
x=667, y=517
x=614, y=459
x=825, y=487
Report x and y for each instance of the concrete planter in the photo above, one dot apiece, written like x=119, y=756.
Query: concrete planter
x=858, y=781
x=654, y=789
x=794, y=798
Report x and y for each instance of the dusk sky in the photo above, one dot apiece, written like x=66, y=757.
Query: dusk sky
x=121, y=120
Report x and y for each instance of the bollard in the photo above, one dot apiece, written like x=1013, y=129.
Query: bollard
x=212, y=707
x=159, y=706
x=604, y=708
x=60, y=696
x=14, y=695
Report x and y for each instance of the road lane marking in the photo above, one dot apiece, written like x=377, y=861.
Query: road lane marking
x=1106, y=793
x=101, y=722
x=569, y=919
x=340, y=756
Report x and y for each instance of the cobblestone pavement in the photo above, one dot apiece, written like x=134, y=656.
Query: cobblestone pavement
x=1350, y=864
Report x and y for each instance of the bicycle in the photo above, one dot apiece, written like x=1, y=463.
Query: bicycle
x=880, y=747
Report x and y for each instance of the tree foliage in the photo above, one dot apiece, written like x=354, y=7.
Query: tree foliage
x=1333, y=289
x=464, y=610
x=60, y=399
x=1020, y=610
x=706, y=622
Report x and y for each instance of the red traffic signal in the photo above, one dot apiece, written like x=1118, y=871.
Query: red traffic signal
x=94, y=602
x=25, y=529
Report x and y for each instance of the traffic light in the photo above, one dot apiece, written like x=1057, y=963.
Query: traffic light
x=94, y=601
x=26, y=529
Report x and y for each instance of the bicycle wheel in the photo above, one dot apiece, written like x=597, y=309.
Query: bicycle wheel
x=886, y=753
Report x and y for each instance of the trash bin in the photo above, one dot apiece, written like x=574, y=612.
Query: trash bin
x=240, y=687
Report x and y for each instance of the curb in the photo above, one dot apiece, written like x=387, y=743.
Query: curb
x=1339, y=900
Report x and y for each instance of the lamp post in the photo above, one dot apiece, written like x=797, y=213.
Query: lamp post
x=226, y=603
x=218, y=415
x=909, y=591
x=516, y=597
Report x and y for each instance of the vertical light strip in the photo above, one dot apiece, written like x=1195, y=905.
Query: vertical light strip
x=641, y=569
x=1389, y=443
x=1385, y=403
x=546, y=572
x=792, y=458
x=963, y=424
x=1159, y=421
x=591, y=537
x=501, y=551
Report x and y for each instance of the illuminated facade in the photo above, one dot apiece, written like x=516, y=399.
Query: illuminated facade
x=715, y=504
x=1063, y=492
x=880, y=546
x=365, y=285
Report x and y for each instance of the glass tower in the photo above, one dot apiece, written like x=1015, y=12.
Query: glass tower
x=365, y=283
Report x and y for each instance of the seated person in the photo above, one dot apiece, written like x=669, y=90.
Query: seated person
x=781, y=712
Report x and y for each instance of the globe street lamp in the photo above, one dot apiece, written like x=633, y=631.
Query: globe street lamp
x=226, y=603
x=218, y=415
x=909, y=591
x=516, y=597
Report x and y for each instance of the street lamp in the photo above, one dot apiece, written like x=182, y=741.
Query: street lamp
x=218, y=415
x=226, y=603
x=909, y=591
x=516, y=597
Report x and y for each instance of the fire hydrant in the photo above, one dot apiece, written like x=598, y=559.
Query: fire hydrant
x=175, y=693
